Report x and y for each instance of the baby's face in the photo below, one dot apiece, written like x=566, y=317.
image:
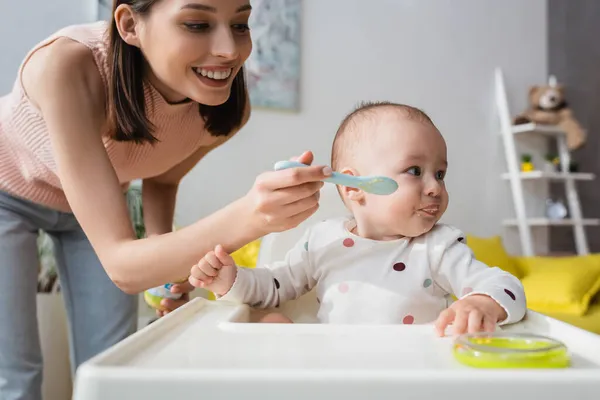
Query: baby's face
x=414, y=154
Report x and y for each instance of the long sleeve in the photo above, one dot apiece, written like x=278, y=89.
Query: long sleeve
x=269, y=286
x=456, y=270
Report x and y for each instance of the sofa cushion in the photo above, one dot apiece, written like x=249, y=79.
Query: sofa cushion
x=247, y=255
x=590, y=321
x=562, y=285
x=491, y=251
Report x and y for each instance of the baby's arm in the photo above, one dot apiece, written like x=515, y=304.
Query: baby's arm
x=260, y=287
x=457, y=271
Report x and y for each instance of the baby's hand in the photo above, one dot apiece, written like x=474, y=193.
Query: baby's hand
x=216, y=272
x=475, y=313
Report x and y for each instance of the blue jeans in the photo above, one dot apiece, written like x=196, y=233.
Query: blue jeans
x=99, y=313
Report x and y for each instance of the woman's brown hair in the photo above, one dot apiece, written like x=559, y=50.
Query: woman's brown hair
x=126, y=102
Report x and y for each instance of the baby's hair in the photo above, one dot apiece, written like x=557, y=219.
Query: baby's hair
x=349, y=134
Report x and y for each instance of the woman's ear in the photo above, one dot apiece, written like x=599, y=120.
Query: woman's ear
x=352, y=194
x=126, y=21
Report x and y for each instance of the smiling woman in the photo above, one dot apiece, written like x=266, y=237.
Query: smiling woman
x=179, y=41
x=145, y=95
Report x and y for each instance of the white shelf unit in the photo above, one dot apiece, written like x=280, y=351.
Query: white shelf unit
x=556, y=176
x=548, y=130
x=550, y=222
x=516, y=177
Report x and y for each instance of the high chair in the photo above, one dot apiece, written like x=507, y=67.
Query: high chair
x=210, y=349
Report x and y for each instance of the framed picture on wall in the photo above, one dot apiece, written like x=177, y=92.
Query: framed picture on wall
x=273, y=68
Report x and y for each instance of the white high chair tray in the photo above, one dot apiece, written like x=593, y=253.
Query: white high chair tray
x=208, y=350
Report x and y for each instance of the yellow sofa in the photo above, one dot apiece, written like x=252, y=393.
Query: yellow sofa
x=565, y=288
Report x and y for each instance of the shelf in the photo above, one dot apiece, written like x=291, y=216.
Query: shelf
x=550, y=130
x=549, y=222
x=579, y=176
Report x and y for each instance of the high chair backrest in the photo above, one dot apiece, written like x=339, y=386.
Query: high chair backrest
x=276, y=245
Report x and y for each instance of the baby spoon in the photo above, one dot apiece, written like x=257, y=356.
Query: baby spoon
x=371, y=184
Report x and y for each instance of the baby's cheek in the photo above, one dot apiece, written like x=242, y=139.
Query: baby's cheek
x=445, y=200
x=400, y=209
x=404, y=199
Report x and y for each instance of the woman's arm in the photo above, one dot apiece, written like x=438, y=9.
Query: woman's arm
x=66, y=86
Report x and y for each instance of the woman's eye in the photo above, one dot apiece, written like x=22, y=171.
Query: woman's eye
x=197, y=27
x=241, y=28
x=441, y=175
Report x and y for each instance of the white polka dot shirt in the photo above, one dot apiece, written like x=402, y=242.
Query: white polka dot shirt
x=362, y=281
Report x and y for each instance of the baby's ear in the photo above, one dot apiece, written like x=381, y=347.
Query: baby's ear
x=349, y=193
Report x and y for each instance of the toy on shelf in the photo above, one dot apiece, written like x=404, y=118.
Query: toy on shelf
x=548, y=106
x=526, y=164
x=555, y=210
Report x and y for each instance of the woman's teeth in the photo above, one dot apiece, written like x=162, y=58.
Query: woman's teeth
x=218, y=75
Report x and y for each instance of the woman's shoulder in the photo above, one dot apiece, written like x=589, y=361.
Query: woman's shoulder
x=65, y=63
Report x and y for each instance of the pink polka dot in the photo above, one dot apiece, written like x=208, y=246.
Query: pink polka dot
x=408, y=320
x=466, y=291
x=348, y=242
x=343, y=288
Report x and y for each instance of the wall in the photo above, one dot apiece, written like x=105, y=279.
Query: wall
x=574, y=57
x=438, y=55
x=25, y=24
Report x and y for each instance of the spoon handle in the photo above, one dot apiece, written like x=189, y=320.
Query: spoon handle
x=336, y=177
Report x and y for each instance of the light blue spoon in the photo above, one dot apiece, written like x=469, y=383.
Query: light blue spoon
x=371, y=184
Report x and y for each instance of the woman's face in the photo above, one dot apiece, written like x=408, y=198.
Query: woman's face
x=195, y=48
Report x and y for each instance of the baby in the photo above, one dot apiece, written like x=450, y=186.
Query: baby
x=391, y=262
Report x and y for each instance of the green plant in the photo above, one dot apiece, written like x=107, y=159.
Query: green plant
x=136, y=209
x=48, y=275
x=526, y=158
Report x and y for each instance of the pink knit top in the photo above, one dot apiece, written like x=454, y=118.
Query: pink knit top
x=27, y=165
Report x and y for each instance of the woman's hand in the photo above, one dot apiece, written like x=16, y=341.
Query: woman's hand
x=281, y=200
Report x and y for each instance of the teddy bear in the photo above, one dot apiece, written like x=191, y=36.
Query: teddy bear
x=548, y=106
